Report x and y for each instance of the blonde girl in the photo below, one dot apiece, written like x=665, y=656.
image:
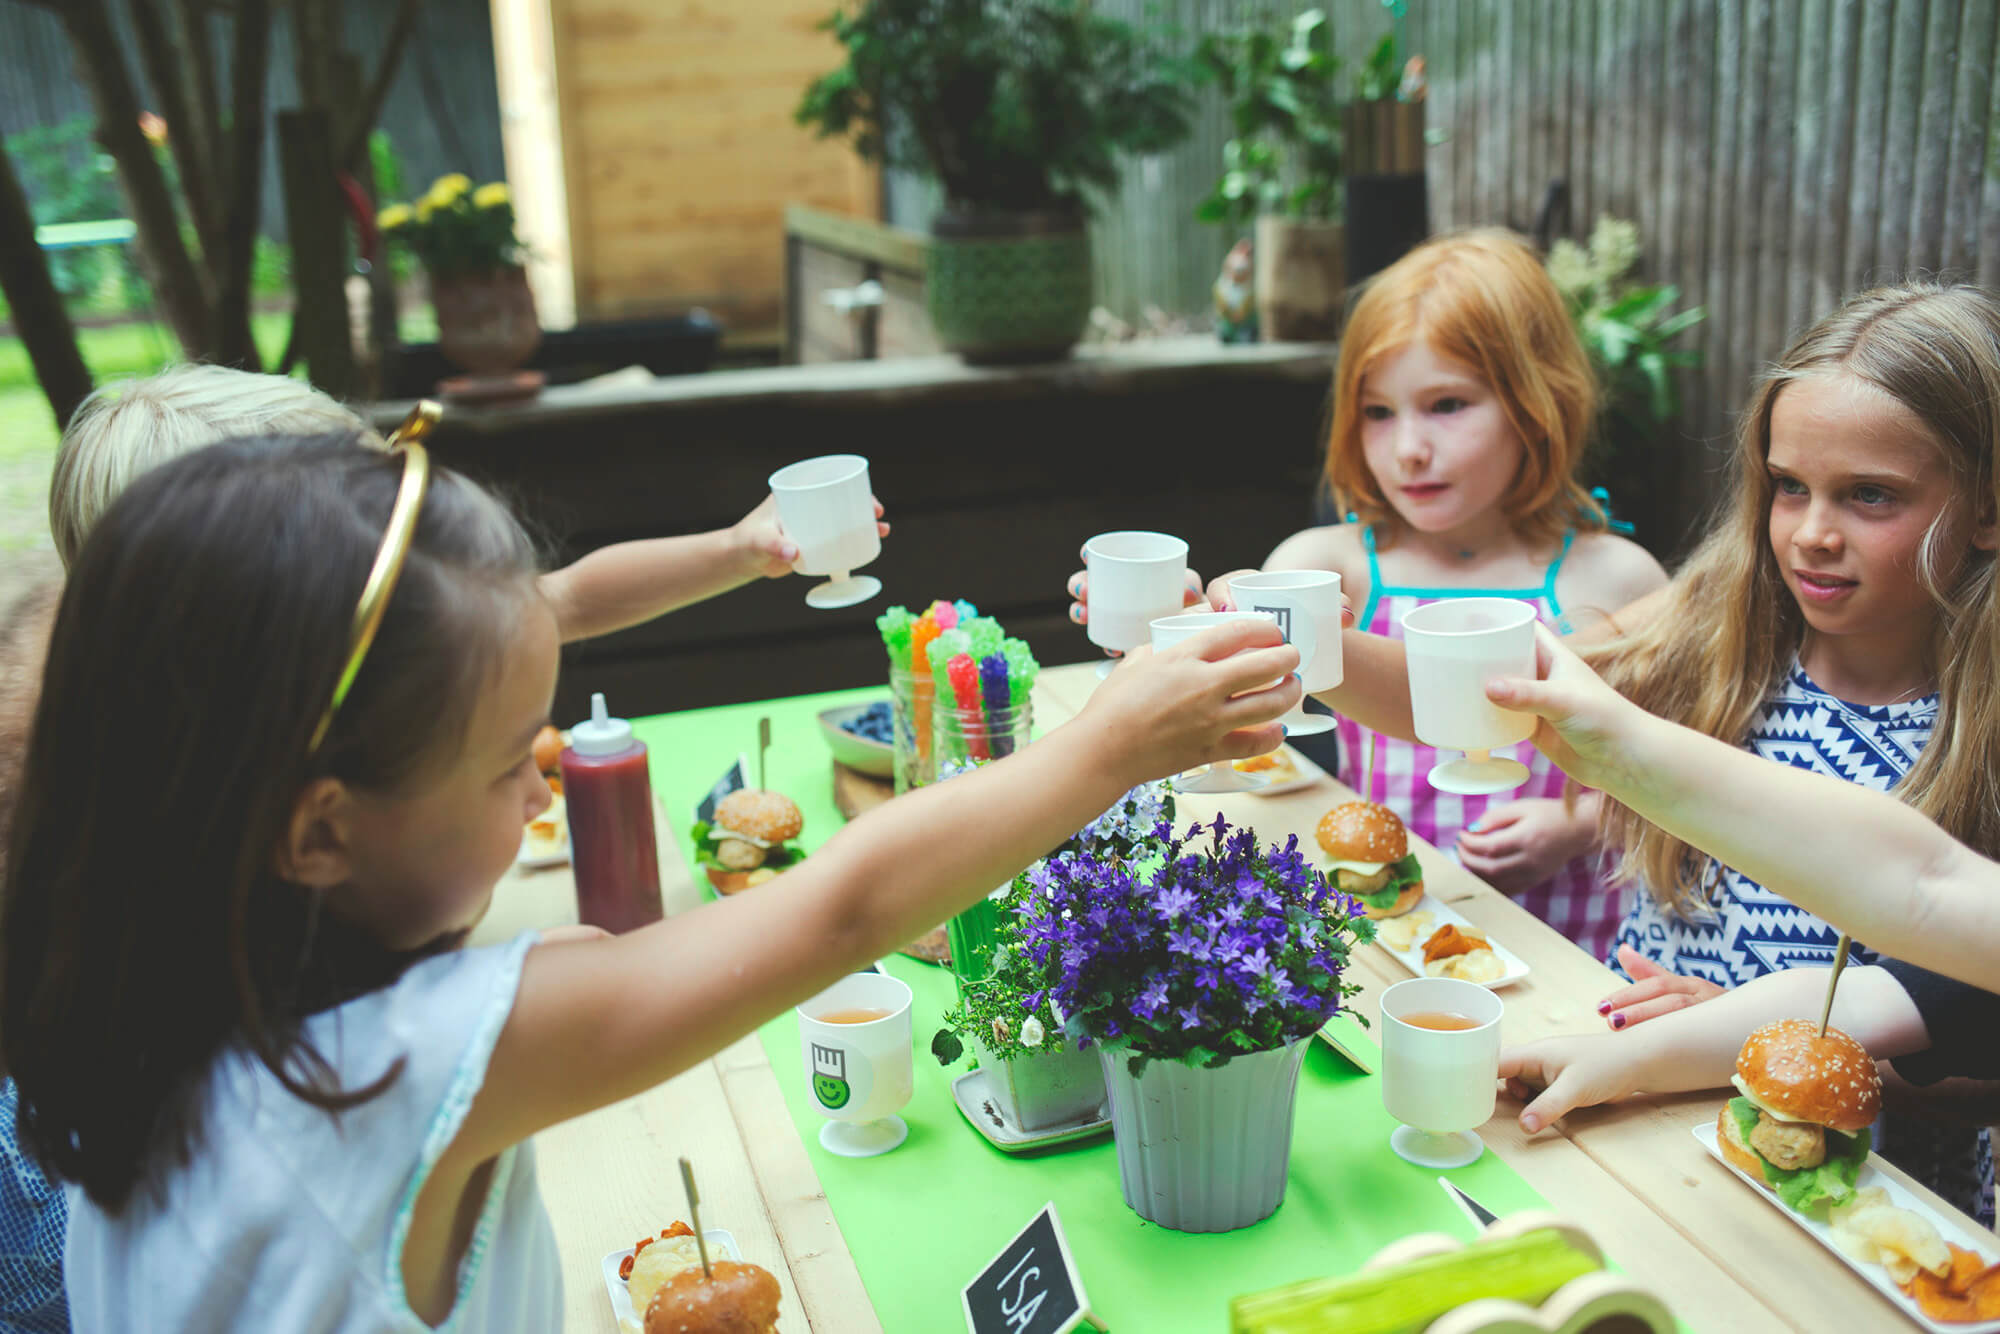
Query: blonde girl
x=1842, y=618
x=1462, y=404
x=237, y=1008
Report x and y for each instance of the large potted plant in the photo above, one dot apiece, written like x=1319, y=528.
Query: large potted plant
x=464, y=237
x=1019, y=109
x=1199, y=973
x=1631, y=331
x=1282, y=170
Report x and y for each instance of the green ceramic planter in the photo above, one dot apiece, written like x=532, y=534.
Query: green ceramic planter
x=1006, y=288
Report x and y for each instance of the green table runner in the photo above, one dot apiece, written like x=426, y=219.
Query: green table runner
x=921, y=1220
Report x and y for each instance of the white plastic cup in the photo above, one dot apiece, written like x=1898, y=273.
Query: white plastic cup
x=1306, y=605
x=827, y=507
x=1168, y=631
x=1454, y=648
x=1439, y=1083
x=859, y=1074
x=1135, y=578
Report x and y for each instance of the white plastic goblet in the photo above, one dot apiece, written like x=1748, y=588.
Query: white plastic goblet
x=1171, y=630
x=1439, y=1082
x=1306, y=604
x=1456, y=647
x=1134, y=579
x=827, y=507
x=859, y=1071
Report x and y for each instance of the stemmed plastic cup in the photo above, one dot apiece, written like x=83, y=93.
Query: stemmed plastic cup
x=827, y=507
x=855, y=1040
x=1171, y=630
x=1439, y=1081
x=1306, y=605
x=1455, y=647
x=1135, y=578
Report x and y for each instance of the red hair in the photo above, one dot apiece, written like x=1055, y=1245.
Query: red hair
x=1481, y=298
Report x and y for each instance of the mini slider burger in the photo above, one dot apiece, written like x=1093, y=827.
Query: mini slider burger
x=734, y=1299
x=1369, y=856
x=749, y=841
x=1801, y=1126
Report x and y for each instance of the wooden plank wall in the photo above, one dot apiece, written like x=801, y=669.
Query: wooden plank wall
x=681, y=153
x=1776, y=154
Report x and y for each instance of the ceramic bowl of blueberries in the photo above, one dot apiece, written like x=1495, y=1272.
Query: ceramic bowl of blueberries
x=862, y=737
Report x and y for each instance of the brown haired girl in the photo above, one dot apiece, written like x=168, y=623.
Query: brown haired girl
x=251, y=842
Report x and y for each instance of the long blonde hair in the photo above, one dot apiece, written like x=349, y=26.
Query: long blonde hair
x=1481, y=298
x=1724, y=641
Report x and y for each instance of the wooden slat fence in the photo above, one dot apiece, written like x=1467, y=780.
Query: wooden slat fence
x=1776, y=154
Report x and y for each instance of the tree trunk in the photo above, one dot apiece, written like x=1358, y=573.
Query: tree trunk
x=101, y=65
x=318, y=220
x=165, y=72
x=250, y=61
x=39, y=317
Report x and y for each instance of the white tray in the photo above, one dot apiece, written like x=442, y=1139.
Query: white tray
x=1441, y=913
x=721, y=1246
x=555, y=856
x=1308, y=774
x=1870, y=1175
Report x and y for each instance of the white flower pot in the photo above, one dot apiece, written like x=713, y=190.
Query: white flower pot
x=1205, y=1150
x=1042, y=1091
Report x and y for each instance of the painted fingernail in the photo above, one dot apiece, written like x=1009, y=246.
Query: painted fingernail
x=1076, y=614
x=1604, y=1007
x=1228, y=605
x=1284, y=730
x=1618, y=1020
x=1076, y=588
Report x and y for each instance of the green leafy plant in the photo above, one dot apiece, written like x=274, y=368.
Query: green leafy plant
x=1626, y=327
x=1285, y=108
x=456, y=230
x=1010, y=104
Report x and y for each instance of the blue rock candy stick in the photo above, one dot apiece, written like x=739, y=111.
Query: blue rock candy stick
x=993, y=689
x=966, y=611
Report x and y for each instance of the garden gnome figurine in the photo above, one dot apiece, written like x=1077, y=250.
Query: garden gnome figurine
x=1235, y=297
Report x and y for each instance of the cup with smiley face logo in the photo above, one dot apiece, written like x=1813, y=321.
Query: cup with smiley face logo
x=854, y=1038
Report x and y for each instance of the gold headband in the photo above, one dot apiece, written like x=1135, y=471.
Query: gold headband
x=395, y=550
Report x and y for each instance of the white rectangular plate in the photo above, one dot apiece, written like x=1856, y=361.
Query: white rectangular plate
x=1308, y=774
x=1875, y=1274
x=535, y=855
x=1441, y=913
x=721, y=1246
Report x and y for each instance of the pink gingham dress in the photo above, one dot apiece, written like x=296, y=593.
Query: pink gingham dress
x=1578, y=900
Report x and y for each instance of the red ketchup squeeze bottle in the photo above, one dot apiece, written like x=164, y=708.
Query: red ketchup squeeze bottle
x=610, y=800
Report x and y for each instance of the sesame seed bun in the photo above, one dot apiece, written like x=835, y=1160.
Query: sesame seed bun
x=738, y=1299
x=1362, y=831
x=1729, y=1139
x=1796, y=1073
x=770, y=816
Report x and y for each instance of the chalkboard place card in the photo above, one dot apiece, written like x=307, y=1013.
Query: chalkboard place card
x=1031, y=1287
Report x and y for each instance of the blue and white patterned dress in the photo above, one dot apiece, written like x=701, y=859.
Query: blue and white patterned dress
x=33, y=1220
x=1747, y=931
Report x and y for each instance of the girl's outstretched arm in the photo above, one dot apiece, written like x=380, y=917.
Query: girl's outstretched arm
x=1860, y=859
x=1696, y=1048
x=629, y=583
x=594, y=1022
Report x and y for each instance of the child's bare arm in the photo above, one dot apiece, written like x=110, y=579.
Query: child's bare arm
x=598, y=1021
x=632, y=582
x=1696, y=1048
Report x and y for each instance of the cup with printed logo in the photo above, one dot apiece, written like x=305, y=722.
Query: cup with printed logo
x=855, y=1041
x=1134, y=578
x=1455, y=647
x=1306, y=605
x=1440, y=1067
x=827, y=508
x=1171, y=630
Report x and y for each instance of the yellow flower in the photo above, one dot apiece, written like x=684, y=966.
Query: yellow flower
x=445, y=189
x=491, y=195
x=394, y=216
x=425, y=207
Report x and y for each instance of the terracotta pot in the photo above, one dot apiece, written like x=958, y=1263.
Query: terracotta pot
x=486, y=321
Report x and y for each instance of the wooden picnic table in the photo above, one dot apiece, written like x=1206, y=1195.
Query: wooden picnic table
x=1665, y=1212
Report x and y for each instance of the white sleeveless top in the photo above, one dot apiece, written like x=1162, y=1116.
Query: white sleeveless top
x=290, y=1219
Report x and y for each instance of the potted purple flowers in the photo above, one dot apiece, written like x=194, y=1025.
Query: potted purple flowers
x=1199, y=973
